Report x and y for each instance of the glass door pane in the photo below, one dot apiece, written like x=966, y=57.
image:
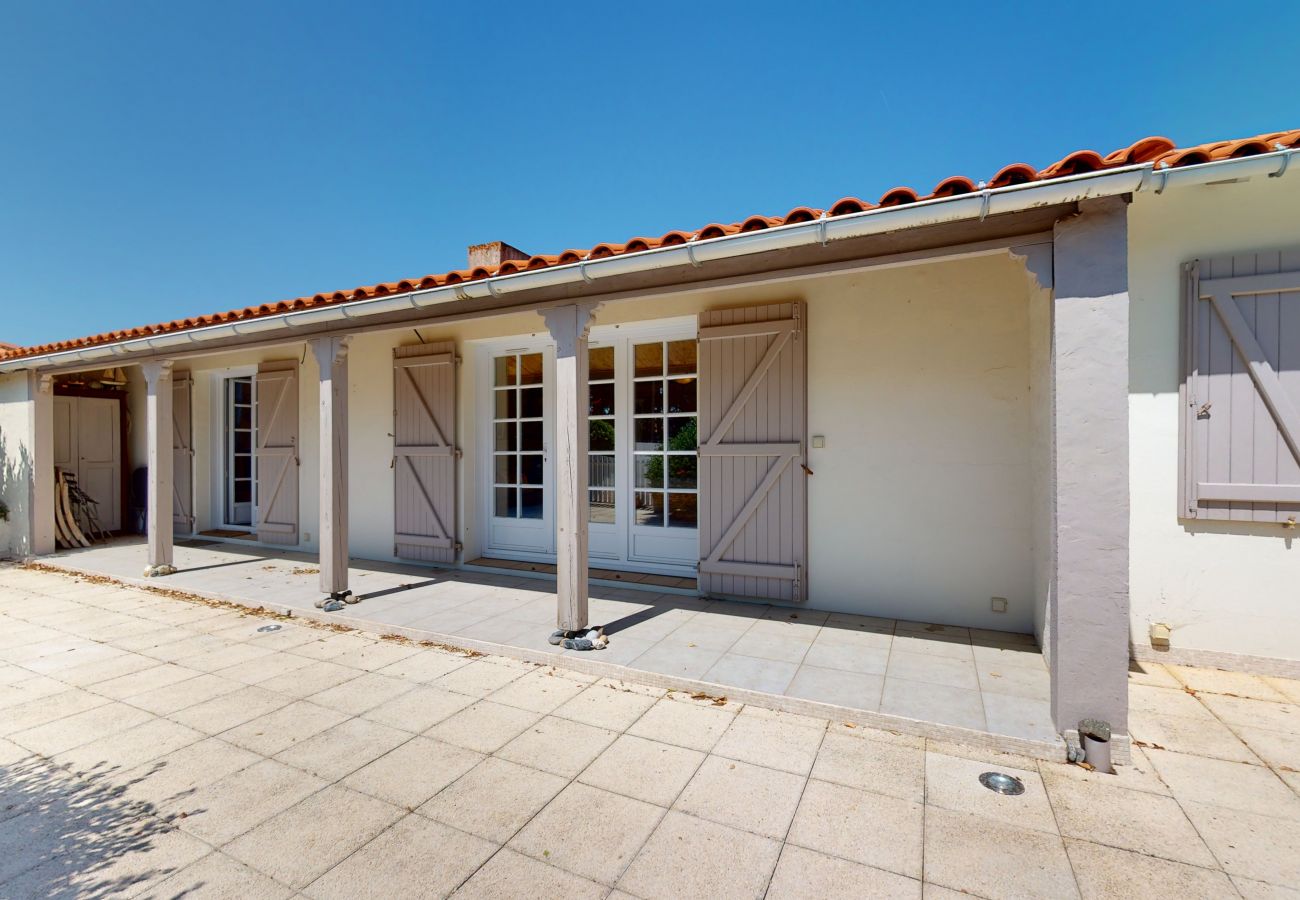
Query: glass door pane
x=519, y=446
x=240, y=457
x=665, y=441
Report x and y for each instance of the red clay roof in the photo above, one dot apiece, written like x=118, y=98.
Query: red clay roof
x=1157, y=150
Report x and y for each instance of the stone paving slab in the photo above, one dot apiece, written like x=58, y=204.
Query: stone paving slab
x=314, y=762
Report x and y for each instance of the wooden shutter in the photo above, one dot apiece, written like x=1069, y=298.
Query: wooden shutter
x=1241, y=396
x=753, y=511
x=182, y=455
x=424, y=452
x=276, y=419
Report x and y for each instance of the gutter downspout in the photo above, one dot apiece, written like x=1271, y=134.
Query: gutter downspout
x=974, y=206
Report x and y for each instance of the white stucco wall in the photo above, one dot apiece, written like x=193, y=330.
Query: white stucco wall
x=15, y=464
x=1228, y=587
x=921, y=505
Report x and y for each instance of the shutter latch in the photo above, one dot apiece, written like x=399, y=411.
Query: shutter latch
x=1203, y=411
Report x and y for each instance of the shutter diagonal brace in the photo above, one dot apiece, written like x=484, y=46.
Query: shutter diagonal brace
x=1261, y=371
x=747, y=511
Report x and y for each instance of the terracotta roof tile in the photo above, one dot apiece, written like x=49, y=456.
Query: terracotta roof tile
x=1158, y=150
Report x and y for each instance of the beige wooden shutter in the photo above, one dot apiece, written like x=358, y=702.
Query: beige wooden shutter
x=182, y=454
x=276, y=419
x=753, y=511
x=424, y=452
x=1241, y=395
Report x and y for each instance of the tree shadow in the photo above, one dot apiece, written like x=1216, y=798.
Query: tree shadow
x=15, y=494
x=65, y=835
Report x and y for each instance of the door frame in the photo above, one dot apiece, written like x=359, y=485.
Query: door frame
x=218, y=443
x=625, y=334
x=124, y=476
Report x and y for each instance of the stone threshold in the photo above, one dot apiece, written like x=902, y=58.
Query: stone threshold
x=1051, y=751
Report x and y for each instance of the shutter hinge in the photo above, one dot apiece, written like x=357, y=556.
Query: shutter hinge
x=798, y=583
x=457, y=453
x=457, y=547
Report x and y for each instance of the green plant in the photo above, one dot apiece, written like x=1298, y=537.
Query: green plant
x=680, y=468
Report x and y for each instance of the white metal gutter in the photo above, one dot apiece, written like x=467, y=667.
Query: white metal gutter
x=698, y=253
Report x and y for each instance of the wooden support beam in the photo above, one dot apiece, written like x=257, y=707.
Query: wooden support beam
x=569, y=326
x=332, y=360
x=158, y=431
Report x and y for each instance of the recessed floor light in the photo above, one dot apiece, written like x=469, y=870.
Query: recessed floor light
x=271, y=627
x=1002, y=784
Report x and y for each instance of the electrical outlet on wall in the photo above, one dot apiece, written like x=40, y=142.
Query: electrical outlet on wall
x=999, y=604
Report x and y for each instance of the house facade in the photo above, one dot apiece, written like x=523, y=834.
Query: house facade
x=1062, y=402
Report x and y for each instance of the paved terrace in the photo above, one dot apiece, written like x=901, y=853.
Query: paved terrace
x=986, y=687
x=158, y=747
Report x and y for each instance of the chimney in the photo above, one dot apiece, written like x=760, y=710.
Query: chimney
x=493, y=253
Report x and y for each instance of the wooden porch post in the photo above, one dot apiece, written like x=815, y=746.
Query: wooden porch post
x=41, y=425
x=569, y=326
x=332, y=360
x=158, y=431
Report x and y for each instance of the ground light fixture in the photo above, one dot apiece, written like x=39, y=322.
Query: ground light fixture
x=271, y=627
x=1001, y=783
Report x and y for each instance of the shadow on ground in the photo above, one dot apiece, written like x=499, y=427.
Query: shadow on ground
x=65, y=835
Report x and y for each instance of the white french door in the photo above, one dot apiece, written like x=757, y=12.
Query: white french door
x=238, y=464
x=642, y=454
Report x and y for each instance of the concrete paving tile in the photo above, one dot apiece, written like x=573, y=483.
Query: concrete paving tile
x=1249, y=845
x=277, y=731
x=643, y=769
x=130, y=748
x=1218, y=681
x=751, y=673
x=689, y=857
x=413, y=772
x=218, y=877
x=988, y=858
x=933, y=669
x=485, y=726
x=226, y=657
x=845, y=822
x=743, y=796
x=872, y=765
x=1152, y=674
x=495, y=799
x=328, y=645
x=589, y=832
x=255, y=671
x=840, y=687
x=168, y=782
x=361, y=694
x=175, y=697
x=228, y=807
x=133, y=868
x=419, y=709
x=376, y=655
x=953, y=783
x=848, y=656
x=427, y=665
x=559, y=746
x=48, y=708
x=804, y=873
x=1279, y=750
x=80, y=728
x=480, y=678
x=683, y=659
x=1103, y=872
x=676, y=719
x=1184, y=735
x=786, y=744
x=1288, y=687
x=512, y=876
x=542, y=690
x=293, y=847
x=150, y=679
x=311, y=679
x=1138, y=775
x=777, y=646
x=609, y=704
x=1020, y=717
x=1236, y=711
x=1171, y=701
x=115, y=666
x=222, y=713
x=1229, y=784
x=933, y=703
x=932, y=645
x=625, y=647
x=1130, y=820
x=341, y=750
x=1002, y=657
x=1018, y=681
x=1261, y=890
x=415, y=857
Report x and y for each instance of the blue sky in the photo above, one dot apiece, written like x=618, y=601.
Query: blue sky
x=162, y=159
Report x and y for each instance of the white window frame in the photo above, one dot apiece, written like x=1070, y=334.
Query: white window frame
x=219, y=441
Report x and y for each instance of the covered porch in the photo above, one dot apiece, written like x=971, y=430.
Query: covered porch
x=983, y=687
